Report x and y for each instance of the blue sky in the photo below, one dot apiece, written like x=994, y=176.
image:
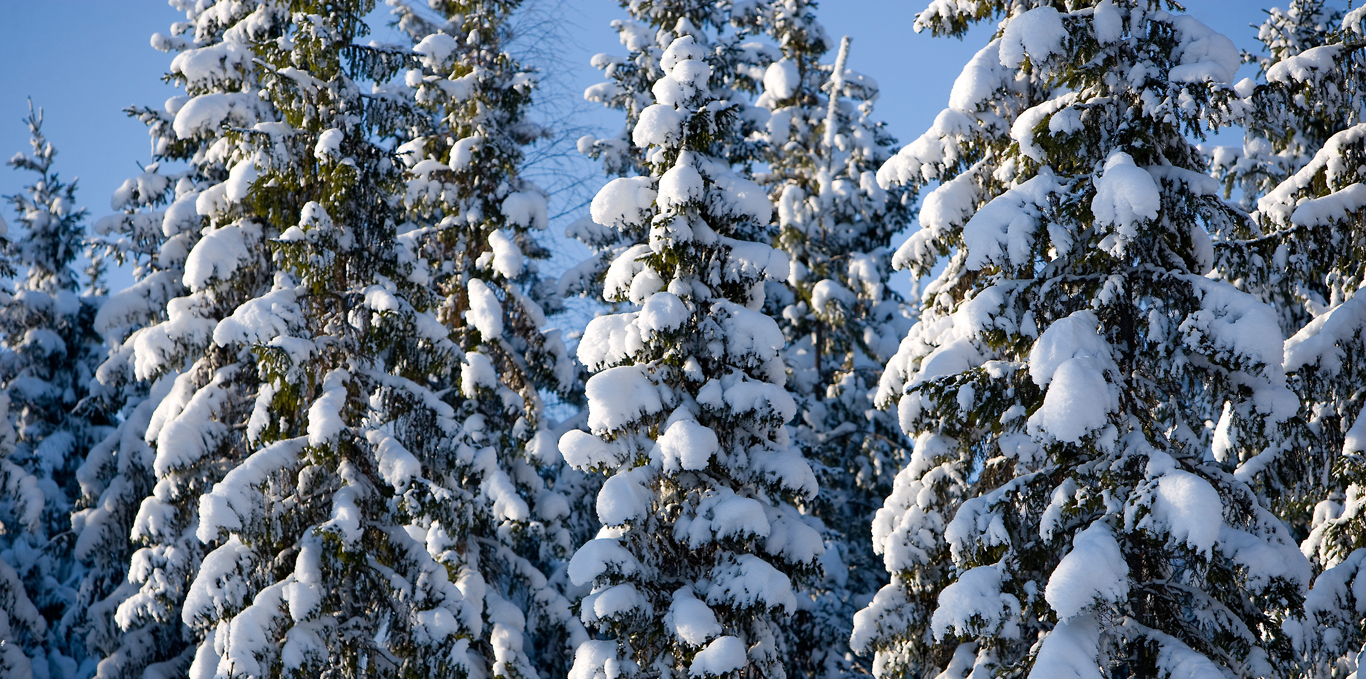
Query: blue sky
x=84, y=61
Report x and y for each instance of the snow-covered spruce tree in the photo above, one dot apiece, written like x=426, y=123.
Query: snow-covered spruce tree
x=194, y=240
x=701, y=544
x=653, y=25
x=51, y=351
x=354, y=536
x=479, y=223
x=1066, y=512
x=1306, y=255
x=841, y=320
x=116, y=474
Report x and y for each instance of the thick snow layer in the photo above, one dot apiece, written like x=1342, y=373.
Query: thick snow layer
x=1126, y=196
x=212, y=64
x=1059, y=117
x=624, y=497
x=507, y=257
x=329, y=145
x=659, y=125
x=1108, y=22
x=526, y=209
x=981, y=78
x=750, y=336
x=782, y=79
x=597, y=557
x=1070, y=651
x=218, y=586
x=973, y=603
x=486, y=312
x=206, y=112
x=690, y=619
x=396, y=465
x=1280, y=202
x=608, y=340
x=1067, y=338
x=624, y=202
x=596, y=660
x=730, y=516
x=436, y=50
x=738, y=198
x=234, y=502
x=1203, y=53
x=662, y=312
x=1184, y=506
x=1093, y=571
x=1334, y=207
x=680, y=185
x=1037, y=34
x=1307, y=66
x=582, y=450
x=617, y=396
x=218, y=254
x=261, y=320
x=687, y=445
x=1077, y=402
x=720, y=657
x=1002, y=231
x=1320, y=341
x=826, y=291
x=1232, y=324
x=750, y=582
x=324, y=416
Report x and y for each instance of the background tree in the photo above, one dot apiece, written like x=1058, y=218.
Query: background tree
x=51, y=353
x=701, y=544
x=839, y=316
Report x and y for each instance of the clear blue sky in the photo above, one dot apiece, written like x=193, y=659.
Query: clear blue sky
x=84, y=61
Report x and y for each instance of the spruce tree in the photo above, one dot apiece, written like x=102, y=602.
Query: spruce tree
x=195, y=238
x=51, y=353
x=840, y=318
x=702, y=548
x=1302, y=250
x=722, y=30
x=386, y=517
x=1066, y=512
x=481, y=223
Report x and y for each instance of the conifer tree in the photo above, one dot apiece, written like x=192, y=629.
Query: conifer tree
x=480, y=224
x=51, y=353
x=841, y=320
x=739, y=68
x=1302, y=250
x=386, y=517
x=1065, y=511
x=701, y=548
x=192, y=237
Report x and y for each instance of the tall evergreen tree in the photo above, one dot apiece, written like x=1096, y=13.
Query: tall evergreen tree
x=653, y=25
x=840, y=318
x=1302, y=250
x=386, y=517
x=1065, y=511
x=480, y=223
x=701, y=544
x=51, y=354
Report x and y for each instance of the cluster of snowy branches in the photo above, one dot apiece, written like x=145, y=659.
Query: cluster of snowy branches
x=319, y=434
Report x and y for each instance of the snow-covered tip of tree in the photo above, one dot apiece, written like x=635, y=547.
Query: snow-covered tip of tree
x=1066, y=510
x=701, y=547
x=50, y=354
x=840, y=318
x=721, y=31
